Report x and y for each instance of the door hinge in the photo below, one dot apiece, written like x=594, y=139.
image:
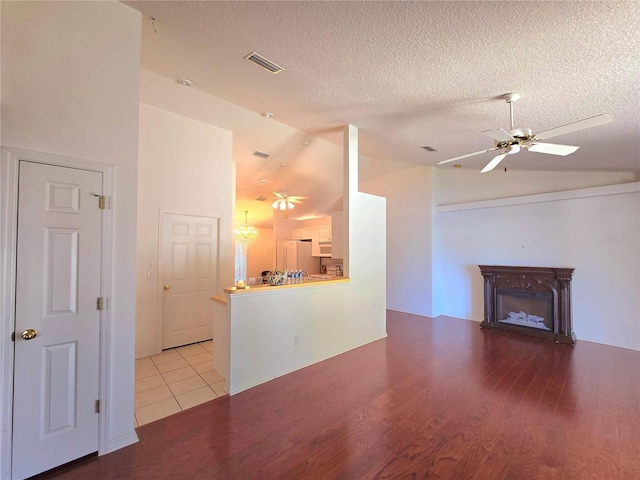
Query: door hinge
x=102, y=201
x=99, y=303
x=13, y=336
x=97, y=406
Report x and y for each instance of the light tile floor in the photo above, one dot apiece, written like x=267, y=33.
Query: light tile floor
x=175, y=380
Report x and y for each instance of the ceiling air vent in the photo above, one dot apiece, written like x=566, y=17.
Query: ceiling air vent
x=264, y=63
x=429, y=148
x=261, y=198
x=258, y=153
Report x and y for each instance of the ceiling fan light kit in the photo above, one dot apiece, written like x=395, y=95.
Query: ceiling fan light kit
x=512, y=141
x=284, y=201
x=282, y=204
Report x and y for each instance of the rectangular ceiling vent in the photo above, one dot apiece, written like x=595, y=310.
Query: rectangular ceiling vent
x=429, y=148
x=260, y=154
x=261, y=198
x=264, y=63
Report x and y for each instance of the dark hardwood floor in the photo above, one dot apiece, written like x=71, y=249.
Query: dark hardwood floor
x=439, y=398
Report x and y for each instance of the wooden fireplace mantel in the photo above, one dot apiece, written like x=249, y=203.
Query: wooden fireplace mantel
x=553, y=281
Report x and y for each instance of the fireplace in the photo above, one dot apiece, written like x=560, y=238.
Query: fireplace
x=532, y=301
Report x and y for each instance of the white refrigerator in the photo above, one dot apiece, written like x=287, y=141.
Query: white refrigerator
x=295, y=255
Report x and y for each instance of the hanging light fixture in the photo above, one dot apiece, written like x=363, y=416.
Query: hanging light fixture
x=246, y=234
x=283, y=200
x=282, y=204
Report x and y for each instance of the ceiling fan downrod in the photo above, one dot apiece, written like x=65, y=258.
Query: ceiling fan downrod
x=510, y=98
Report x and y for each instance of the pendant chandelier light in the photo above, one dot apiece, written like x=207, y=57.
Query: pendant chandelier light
x=246, y=234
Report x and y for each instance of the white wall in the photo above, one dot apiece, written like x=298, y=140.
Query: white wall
x=329, y=319
x=184, y=167
x=261, y=253
x=409, y=247
x=466, y=238
x=70, y=86
x=457, y=185
x=597, y=233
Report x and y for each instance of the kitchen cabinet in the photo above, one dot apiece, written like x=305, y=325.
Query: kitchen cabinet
x=302, y=233
x=308, y=233
x=324, y=233
x=337, y=229
x=315, y=247
x=320, y=238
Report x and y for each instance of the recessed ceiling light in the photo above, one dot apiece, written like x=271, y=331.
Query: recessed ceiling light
x=263, y=180
x=457, y=166
x=306, y=143
x=185, y=81
x=268, y=114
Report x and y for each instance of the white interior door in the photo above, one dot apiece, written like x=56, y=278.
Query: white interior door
x=57, y=286
x=189, y=274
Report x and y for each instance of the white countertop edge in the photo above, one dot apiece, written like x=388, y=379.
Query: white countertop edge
x=233, y=292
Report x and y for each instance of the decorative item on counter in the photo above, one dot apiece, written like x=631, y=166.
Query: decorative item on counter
x=277, y=277
x=265, y=275
x=339, y=272
x=241, y=284
x=323, y=269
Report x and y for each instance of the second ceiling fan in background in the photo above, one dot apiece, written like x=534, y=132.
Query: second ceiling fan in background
x=284, y=201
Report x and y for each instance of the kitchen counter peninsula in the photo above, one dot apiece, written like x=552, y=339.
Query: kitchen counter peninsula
x=265, y=331
x=267, y=287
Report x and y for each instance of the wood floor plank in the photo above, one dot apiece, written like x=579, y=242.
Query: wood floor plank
x=628, y=415
x=439, y=398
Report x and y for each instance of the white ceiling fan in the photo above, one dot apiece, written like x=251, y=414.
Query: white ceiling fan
x=512, y=141
x=284, y=201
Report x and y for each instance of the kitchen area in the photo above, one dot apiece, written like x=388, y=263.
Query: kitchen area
x=264, y=331
x=310, y=249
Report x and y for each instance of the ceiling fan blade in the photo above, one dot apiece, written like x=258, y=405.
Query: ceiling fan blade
x=294, y=200
x=468, y=155
x=279, y=195
x=552, y=148
x=493, y=163
x=575, y=126
x=499, y=135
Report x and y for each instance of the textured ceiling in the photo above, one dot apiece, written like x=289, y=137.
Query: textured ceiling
x=409, y=74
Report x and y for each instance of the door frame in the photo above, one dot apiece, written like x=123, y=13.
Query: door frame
x=159, y=297
x=9, y=166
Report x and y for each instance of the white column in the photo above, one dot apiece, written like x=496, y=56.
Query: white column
x=350, y=186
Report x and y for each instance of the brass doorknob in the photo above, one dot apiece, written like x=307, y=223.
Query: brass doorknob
x=166, y=287
x=29, y=334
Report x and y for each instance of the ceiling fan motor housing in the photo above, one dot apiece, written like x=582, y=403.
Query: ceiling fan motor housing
x=520, y=137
